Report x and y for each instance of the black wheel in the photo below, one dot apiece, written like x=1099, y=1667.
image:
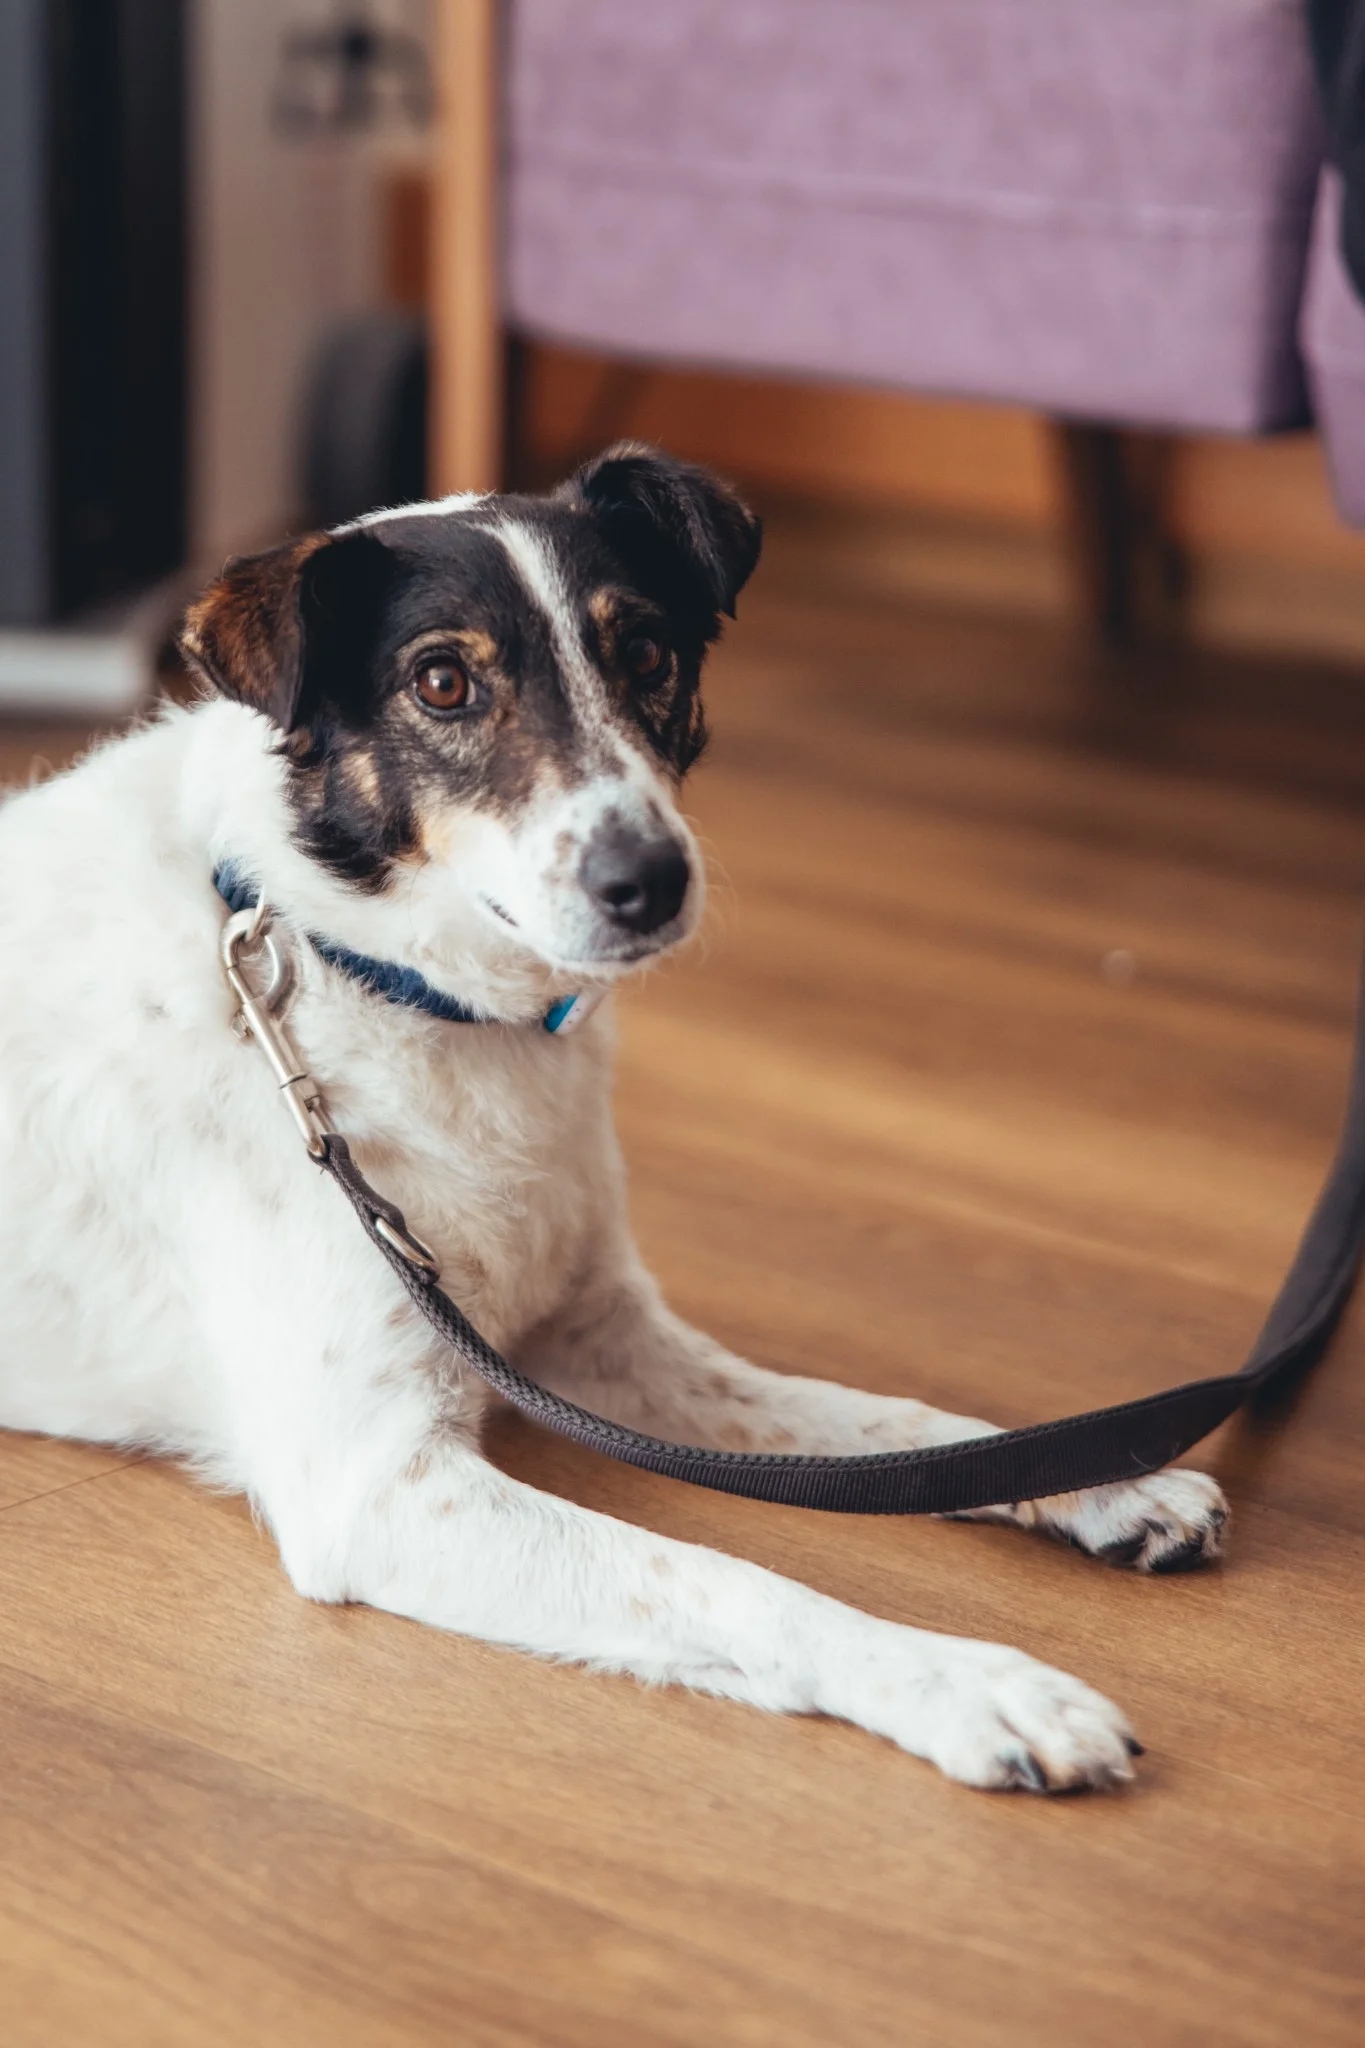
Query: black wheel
x=365, y=418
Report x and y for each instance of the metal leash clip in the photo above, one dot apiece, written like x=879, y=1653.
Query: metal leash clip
x=247, y=933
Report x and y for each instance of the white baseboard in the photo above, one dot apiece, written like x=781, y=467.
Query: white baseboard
x=100, y=666
x=101, y=674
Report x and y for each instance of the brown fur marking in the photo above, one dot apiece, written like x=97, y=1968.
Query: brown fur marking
x=243, y=633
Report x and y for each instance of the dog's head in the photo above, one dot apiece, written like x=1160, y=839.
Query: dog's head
x=499, y=692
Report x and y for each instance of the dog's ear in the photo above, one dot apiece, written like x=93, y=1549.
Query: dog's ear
x=289, y=629
x=675, y=526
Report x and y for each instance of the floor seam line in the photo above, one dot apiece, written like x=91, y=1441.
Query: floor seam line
x=69, y=1485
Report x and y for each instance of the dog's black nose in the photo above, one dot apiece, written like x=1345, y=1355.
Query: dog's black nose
x=638, y=883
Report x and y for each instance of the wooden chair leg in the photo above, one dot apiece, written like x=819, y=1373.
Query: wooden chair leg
x=1128, y=570
x=467, y=447
x=518, y=463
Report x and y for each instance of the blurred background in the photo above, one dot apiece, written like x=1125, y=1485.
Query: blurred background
x=1024, y=309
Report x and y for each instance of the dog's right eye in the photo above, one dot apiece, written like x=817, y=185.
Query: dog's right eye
x=646, y=657
x=443, y=686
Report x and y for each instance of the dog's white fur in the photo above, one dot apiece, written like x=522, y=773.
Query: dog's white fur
x=175, y=1274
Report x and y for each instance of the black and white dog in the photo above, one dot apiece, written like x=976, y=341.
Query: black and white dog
x=446, y=742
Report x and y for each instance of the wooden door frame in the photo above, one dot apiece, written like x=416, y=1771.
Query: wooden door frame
x=467, y=383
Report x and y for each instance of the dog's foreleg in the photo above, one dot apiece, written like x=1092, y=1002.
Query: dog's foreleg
x=356, y=1437
x=450, y=1540
x=618, y=1348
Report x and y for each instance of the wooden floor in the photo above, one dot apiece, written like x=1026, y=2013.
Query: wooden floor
x=1005, y=1078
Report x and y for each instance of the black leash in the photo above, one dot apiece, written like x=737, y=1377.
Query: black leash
x=1018, y=1464
x=1065, y=1456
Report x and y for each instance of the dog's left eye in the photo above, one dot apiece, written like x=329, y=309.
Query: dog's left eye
x=443, y=687
x=646, y=658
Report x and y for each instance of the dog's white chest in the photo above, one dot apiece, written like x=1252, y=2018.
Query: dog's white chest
x=495, y=1141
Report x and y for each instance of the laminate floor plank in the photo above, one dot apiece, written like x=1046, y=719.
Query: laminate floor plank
x=33, y=1465
x=203, y=1900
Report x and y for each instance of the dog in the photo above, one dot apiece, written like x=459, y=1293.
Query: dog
x=446, y=742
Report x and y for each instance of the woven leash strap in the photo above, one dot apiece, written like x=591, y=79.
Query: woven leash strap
x=1019, y=1464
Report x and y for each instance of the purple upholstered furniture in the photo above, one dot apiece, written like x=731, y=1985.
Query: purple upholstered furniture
x=1332, y=331
x=1101, y=208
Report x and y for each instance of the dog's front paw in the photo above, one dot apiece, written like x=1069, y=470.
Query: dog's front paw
x=1016, y=1725
x=1164, y=1523
x=988, y=1715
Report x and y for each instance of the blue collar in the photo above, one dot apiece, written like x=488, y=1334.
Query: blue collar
x=401, y=985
